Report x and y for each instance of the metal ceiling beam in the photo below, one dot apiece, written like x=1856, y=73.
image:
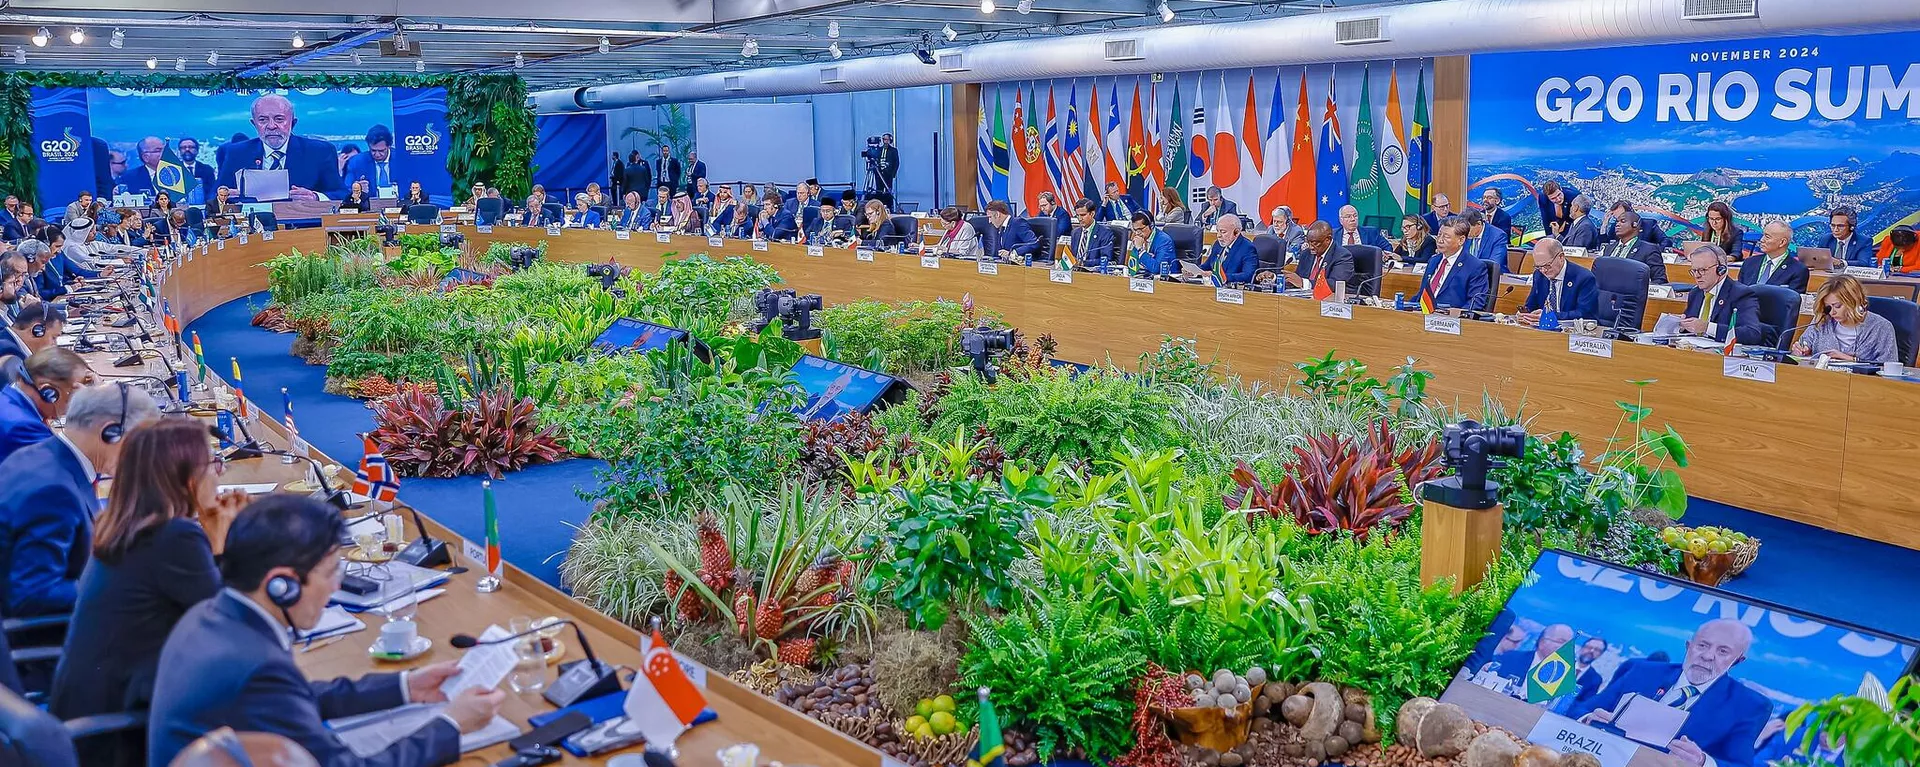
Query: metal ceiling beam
x=609, y=11
x=339, y=44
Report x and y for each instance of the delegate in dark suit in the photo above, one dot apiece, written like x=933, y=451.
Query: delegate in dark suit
x=1858, y=249
x=1158, y=259
x=20, y=423
x=1063, y=223
x=640, y=179
x=361, y=166
x=1209, y=214
x=1582, y=233
x=807, y=216
x=121, y=620
x=1578, y=292
x=1464, y=286
x=311, y=164
x=1016, y=236
x=1092, y=246
x=1642, y=251
x=666, y=170
x=1790, y=273
x=225, y=664
x=46, y=527
x=11, y=228
x=779, y=227
x=1337, y=266
x=1724, y=720
x=1735, y=303
x=1368, y=235
x=1235, y=263
x=1118, y=209
x=694, y=174
x=1498, y=219
x=1489, y=246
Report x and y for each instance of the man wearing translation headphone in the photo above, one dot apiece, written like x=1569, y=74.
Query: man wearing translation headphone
x=229, y=661
x=36, y=393
x=48, y=500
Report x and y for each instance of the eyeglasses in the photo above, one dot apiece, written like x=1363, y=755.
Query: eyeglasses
x=1699, y=272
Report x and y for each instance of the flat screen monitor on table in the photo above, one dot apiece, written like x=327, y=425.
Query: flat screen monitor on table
x=834, y=389
x=630, y=335
x=1640, y=668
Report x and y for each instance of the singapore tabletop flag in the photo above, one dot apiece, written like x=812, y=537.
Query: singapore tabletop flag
x=663, y=702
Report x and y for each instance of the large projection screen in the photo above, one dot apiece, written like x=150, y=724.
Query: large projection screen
x=755, y=142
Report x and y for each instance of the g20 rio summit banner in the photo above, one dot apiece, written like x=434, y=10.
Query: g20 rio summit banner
x=1781, y=129
x=188, y=143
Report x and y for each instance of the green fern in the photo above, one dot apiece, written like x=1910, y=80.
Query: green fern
x=1062, y=668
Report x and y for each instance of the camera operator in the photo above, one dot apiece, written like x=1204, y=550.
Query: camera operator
x=883, y=158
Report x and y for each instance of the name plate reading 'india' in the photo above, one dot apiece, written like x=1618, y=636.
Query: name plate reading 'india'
x=1336, y=310
x=1751, y=370
x=863, y=254
x=1440, y=323
x=817, y=251
x=760, y=246
x=1568, y=736
x=929, y=262
x=716, y=242
x=1139, y=285
x=622, y=235
x=989, y=267
x=1061, y=276
x=1229, y=296
x=1591, y=346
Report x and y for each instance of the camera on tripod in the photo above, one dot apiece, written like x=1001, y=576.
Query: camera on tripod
x=521, y=257
x=982, y=344
x=872, y=151
x=1472, y=450
x=795, y=313
x=608, y=274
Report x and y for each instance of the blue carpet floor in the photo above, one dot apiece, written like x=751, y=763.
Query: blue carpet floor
x=1800, y=566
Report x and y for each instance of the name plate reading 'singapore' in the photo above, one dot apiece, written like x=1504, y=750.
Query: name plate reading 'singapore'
x=1751, y=370
x=1568, y=736
x=989, y=267
x=817, y=251
x=1140, y=285
x=1592, y=346
x=1338, y=310
x=622, y=235
x=929, y=262
x=1062, y=276
x=663, y=238
x=760, y=246
x=1440, y=323
x=863, y=254
x=1229, y=296
x=716, y=242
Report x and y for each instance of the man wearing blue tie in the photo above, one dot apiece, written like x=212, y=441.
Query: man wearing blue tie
x=1149, y=250
x=1566, y=287
x=1775, y=264
x=1848, y=244
x=1092, y=242
x=1008, y=237
x=375, y=165
x=1724, y=716
x=1231, y=258
x=1455, y=279
x=1116, y=205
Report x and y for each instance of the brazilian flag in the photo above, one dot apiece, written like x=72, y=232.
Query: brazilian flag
x=172, y=176
x=991, y=752
x=1553, y=677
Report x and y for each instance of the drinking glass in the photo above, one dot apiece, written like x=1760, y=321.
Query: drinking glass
x=397, y=598
x=530, y=661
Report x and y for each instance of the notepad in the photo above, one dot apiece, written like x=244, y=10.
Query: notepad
x=369, y=734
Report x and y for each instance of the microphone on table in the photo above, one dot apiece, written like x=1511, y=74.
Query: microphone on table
x=334, y=497
x=248, y=447
x=1360, y=293
x=424, y=551
x=165, y=384
x=577, y=681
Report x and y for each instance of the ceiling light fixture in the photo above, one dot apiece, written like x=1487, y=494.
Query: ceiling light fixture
x=834, y=51
x=833, y=30
x=986, y=6
x=1166, y=12
x=213, y=58
x=117, y=39
x=299, y=40
x=950, y=33
x=180, y=64
x=519, y=60
x=606, y=46
x=356, y=58
x=1025, y=6
x=77, y=36
x=419, y=65
x=41, y=37
x=152, y=63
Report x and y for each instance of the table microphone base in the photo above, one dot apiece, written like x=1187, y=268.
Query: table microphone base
x=580, y=680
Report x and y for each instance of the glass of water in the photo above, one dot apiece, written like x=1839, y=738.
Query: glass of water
x=397, y=598
x=530, y=660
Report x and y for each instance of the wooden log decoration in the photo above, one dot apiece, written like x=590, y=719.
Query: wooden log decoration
x=1455, y=542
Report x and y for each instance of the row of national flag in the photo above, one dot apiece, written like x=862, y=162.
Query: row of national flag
x=1258, y=163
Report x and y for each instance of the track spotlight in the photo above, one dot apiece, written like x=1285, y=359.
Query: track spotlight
x=519, y=60
x=41, y=37
x=419, y=65
x=356, y=58
x=213, y=58
x=834, y=51
x=924, y=51
x=400, y=39
x=299, y=40
x=833, y=30
x=77, y=36
x=152, y=63
x=950, y=33
x=19, y=55
x=750, y=49
x=118, y=39
x=180, y=64
x=986, y=6
x=1165, y=11
x=606, y=46
x=1025, y=6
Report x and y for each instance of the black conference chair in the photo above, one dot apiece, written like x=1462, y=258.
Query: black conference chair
x=1905, y=316
x=1273, y=255
x=425, y=213
x=488, y=210
x=1623, y=284
x=602, y=210
x=1367, y=264
x=196, y=218
x=1186, y=241
x=902, y=231
x=1493, y=284
x=552, y=213
x=1779, y=307
x=264, y=221
x=980, y=226
x=1043, y=227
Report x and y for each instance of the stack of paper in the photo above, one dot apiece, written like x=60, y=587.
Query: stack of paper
x=369, y=734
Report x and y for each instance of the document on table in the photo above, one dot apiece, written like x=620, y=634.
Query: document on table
x=484, y=666
x=333, y=621
x=1667, y=325
x=370, y=734
x=1649, y=721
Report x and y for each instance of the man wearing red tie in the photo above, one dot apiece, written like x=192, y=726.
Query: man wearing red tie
x=1455, y=280
x=1352, y=233
x=1323, y=266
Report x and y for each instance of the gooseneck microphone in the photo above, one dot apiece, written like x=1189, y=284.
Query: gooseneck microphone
x=578, y=681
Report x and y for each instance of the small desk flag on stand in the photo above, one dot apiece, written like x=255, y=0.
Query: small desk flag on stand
x=991, y=752
x=663, y=702
x=375, y=479
x=490, y=520
x=1733, y=323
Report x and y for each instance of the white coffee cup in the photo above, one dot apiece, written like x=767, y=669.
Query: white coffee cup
x=396, y=637
x=1893, y=368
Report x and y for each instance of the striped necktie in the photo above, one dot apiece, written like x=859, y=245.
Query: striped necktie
x=1687, y=695
x=276, y=160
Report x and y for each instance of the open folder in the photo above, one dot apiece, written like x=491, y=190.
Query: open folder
x=370, y=734
x=265, y=185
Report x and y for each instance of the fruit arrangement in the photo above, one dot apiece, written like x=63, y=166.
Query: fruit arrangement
x=932, y=717
x=1709, y=554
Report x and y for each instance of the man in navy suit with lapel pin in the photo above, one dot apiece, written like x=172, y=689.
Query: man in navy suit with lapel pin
x=1567, y=287
x=1442, y=208
x=1844, y=238
x=1009, y=237
x=666, y=169
x=1493, y=206
x=375, y=165
x=1628, y=243
x=774, y=224
x=1321, y=258
x=1215, y=206
x=48, y=503
x=1724, y=715
x=1231, y=259
x=312, y=166
x=1149, y=250
x=1734, y=306
x=1775, y=264
x=1091, y=242
x=1584, y=232
x=1352, y=233
x=1116, y=205
x=696, y=170
x=1050, y=207
x=803, y=208
x=1454, y=279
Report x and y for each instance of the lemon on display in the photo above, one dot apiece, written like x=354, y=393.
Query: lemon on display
x=925, y=731
x=943, y=703
x=942, y=722
x=915, y=723
x=1719, y=547
x=924, y=708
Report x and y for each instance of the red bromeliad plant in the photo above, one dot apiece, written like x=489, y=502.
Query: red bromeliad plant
x=494, y=434
x=1335, y=484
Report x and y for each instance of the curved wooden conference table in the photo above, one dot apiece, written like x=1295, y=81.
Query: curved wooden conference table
x=1825, y=448
x=782, y=734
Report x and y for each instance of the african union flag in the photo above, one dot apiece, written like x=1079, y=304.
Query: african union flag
x=1553, y=677
x=172, y=176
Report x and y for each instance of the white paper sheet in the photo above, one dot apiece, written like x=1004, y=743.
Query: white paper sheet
x=484, y=666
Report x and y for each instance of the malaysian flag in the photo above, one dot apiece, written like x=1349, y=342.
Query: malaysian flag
x=297, y=445
x=1076, y=163
x=375, y=479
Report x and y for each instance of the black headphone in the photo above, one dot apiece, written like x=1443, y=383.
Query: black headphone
x=283, y=591
x=115, y=429
x=40, y=329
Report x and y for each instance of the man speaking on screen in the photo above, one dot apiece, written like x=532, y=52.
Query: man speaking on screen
x=313, y=170
x=1723, y=715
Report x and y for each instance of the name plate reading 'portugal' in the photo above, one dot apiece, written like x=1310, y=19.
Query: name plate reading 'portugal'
x=989, y=267
x=1336, y=310
x=1139, y=285
x=1440, y=323
x=1229, y=296
x=1592, y=346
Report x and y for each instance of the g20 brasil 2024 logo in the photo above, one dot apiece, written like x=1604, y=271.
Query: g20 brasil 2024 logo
x=63, y=149
x=423, y=144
